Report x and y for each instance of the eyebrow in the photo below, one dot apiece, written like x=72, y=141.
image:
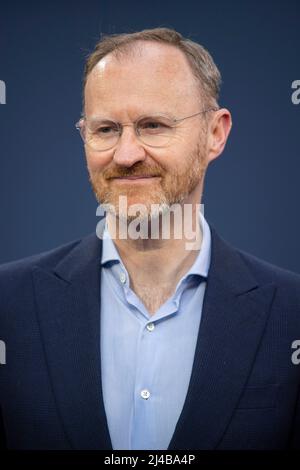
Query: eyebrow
x=148, y=115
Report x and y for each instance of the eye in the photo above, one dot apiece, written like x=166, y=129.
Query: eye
x=152, y=126
x=105, y=130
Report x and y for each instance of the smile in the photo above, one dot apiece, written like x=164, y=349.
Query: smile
x=134, y=179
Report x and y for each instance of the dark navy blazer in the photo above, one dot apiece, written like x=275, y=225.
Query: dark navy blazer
x=244, y=387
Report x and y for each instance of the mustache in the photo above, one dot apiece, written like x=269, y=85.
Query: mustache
x=139, y=169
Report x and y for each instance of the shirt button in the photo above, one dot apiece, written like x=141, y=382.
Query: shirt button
x=123, y=277
x=145, y=394
x=150, y=326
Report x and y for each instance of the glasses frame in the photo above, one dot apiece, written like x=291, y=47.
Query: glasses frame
x=120, y=125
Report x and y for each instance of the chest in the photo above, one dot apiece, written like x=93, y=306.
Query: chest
x=153, y=297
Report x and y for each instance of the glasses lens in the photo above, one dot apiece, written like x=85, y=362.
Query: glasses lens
x=155, y=131
x=101, y=135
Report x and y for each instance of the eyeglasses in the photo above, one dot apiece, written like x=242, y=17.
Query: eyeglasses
x=157, y=130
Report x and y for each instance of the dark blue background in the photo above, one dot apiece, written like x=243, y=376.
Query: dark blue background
x=252, y=190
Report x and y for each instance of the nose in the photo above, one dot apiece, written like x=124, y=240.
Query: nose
x=129, y=149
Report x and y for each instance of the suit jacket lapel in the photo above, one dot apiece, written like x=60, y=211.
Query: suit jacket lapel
x=235, y=311
x=68, y=307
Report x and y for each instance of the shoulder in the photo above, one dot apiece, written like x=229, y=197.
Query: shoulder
x=266, y=271
x=287, y=282
x=243, y=268
x=15, y=274
x=18, y=281
x=262, y=271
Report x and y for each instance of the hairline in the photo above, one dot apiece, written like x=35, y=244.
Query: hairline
x=132, y=49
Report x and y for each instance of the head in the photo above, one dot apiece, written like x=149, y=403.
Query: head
x=144, y=74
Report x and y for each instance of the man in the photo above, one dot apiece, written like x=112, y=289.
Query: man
x=150, y=342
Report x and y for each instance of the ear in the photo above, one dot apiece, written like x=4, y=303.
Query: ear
x=218, y=132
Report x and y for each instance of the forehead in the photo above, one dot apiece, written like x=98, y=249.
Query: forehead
x=151, y=77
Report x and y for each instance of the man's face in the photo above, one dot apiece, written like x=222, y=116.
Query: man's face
x=155, y=80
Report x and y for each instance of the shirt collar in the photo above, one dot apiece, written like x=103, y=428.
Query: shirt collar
x=200, y=266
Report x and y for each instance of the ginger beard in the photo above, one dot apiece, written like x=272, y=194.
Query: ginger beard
x=172, y=187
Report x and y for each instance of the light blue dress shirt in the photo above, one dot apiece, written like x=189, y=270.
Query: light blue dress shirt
x=147, y=360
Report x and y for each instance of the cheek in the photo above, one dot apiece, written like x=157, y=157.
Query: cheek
x=97, y=161
x=177, y=158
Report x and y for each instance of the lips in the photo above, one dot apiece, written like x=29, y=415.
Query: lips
x=135, y=177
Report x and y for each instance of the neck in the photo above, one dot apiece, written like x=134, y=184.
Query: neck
x=164, y=258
